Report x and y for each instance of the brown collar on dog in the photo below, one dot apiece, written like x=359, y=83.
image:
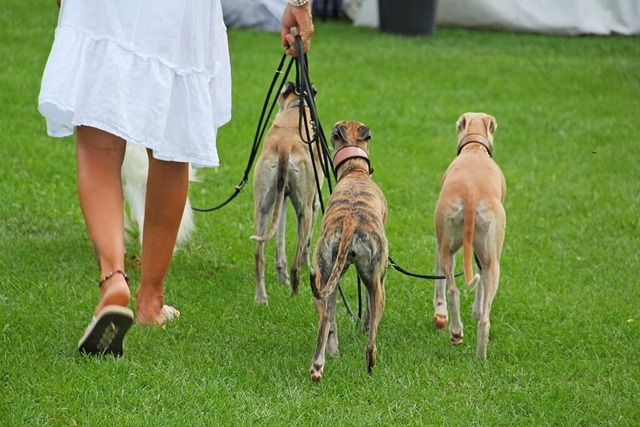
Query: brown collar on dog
x=475, y=138
x=350, y=152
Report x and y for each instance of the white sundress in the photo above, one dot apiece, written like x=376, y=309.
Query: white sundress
x=154, y=72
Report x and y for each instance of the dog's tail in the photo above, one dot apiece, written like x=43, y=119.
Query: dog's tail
x=338, y=265
x=281, y=184
x=467, y=245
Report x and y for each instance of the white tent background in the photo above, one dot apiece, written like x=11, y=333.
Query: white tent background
x=571, y=17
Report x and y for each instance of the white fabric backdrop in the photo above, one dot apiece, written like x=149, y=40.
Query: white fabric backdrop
x=541, y=16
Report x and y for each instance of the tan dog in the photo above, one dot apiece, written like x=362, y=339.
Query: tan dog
x=285, y=169
x=352, y=233
x=470, y=214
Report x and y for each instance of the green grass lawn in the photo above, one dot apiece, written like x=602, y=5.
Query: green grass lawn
x=564, y=346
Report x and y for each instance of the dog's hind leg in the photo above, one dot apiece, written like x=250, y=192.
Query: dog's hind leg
x=440, y=317
x=303, y=196
x=476, y=310
x=490, y=280
x=304, y=233
x=332, y=338
x=375, y=289
x=281, y=253
x=261, y=216
x=261, y=292
x=447, y=261
x=317, y=363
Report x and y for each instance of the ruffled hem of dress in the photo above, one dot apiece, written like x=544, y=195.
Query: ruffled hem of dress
x=96, y=81
x=194, y=160
x=181, y=71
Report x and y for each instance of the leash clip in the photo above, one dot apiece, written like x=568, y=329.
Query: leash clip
x=240, y=186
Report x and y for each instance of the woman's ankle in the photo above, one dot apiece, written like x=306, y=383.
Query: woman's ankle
x=114, y=291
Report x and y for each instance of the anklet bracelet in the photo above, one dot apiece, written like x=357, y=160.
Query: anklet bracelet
x=111, y=274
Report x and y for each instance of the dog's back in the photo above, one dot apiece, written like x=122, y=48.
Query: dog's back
x=352, y=228
x=357, y=210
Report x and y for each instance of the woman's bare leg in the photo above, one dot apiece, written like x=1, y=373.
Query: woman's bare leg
x=167, y=188
x=99, y=157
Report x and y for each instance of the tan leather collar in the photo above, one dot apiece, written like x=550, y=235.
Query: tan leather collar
x=475, y=138
x=350, y=152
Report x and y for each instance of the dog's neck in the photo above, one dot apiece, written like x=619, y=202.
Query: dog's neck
x=347, y=153
x=476, y=138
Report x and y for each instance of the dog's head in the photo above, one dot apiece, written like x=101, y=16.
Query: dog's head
x=290, y=95
x=346, y=133
x=478, y=128
x=350, y=140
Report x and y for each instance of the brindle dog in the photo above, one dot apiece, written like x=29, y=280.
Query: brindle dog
x=285, y=170
x=352, y=233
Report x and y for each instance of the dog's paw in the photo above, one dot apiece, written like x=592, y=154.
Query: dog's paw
x=316, y=373
x=440, y=321
x=456, y=339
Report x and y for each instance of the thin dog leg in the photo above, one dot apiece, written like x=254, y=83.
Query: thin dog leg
x=317, y=363
x=304, y=231
x=491, y=287
x=476, y=310
x=263, y=211
x=366, y=316
x=332, y=344
x=377, y=297
x=281, y=254
x=455, y=329
x=261, y=292
x=440, y=317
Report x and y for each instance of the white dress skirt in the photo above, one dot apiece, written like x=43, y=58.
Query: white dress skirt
x=154, y=72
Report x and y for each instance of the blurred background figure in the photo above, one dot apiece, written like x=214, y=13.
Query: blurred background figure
x=264, y=15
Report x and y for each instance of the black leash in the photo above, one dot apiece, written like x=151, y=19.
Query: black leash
x=306, y=91
x=260, y=131
x=306, y=94
x=396, y=267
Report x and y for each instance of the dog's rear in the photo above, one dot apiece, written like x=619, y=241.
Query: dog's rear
x=469, y=214
x=134, y=181
x=352, y=232
x=285, y=169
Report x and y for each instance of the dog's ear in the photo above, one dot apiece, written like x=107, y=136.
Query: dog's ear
x=461, y=124
x=364, y=133
x=287, y=89
x=492, y=125
x=339, y=133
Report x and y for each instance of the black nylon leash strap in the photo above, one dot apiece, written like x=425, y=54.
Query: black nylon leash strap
x=270, y=102
x=306, y=93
